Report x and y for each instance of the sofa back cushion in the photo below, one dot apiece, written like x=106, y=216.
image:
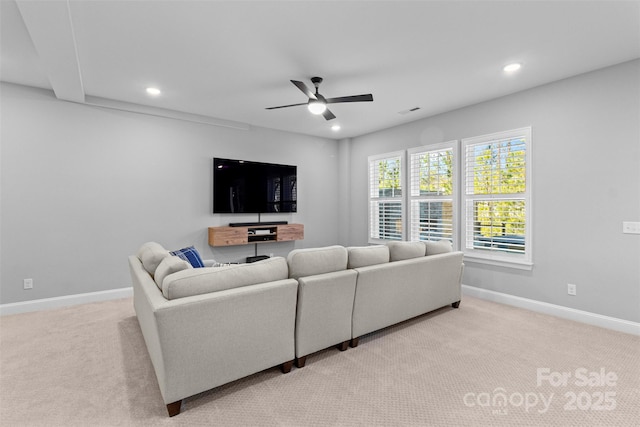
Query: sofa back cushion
x=312, y=261
x=439, y=247
x=204, y=280
x=406, y=250
x=362, y=256
x=151, y=255
x=169, y=265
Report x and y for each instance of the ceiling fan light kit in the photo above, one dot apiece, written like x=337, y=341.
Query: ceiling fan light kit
x=317, y=104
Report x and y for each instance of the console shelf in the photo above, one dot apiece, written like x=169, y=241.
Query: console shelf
x=231, y=236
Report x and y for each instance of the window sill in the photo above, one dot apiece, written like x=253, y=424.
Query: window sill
x=515, y=264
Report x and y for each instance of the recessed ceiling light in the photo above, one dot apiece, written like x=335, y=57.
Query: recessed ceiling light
x=153, y=91
x=510, y=68
x=335, y=128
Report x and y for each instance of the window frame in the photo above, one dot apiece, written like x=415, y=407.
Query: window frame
x=453, y=198
x=401, y=155
x=496, y=257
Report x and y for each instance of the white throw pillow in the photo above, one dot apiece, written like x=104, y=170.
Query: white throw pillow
x=440, y=247
x=362, y=256
x=151, y=254
x=169, y=265
x=312, y=261
x=406, y=250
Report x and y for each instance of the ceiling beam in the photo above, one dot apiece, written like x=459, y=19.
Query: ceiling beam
x=51, y=30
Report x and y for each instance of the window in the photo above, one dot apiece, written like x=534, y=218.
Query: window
x=386, y=213
x=476, y=194
x=432, y=180
x=497, y=198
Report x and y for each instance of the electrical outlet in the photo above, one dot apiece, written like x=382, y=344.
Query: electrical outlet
x=28, y=283
x=629, y=227
x=571, y=289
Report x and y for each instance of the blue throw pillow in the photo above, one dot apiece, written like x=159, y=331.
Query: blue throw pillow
x=190, y=255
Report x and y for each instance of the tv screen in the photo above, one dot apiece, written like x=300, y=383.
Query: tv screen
x=241, y=186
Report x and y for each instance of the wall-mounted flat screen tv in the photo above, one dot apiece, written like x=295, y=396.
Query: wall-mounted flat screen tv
x=241, y=186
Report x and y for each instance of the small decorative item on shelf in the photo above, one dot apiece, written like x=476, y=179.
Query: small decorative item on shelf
x=225, y=264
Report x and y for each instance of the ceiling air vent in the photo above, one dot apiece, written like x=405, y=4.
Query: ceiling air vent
x=410, y=110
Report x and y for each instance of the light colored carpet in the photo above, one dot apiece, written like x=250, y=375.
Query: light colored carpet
x=88, y=366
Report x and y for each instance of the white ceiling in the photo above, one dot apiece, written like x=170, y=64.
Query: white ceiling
x=229, y=60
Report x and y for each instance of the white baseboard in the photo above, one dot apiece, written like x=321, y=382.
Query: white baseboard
x=65, y=301
x=589, y=318
x=613, y=323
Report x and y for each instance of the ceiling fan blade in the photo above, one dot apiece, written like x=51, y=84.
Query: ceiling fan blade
x=328, y=115
x=284, y=106
x=354, y=98
x=303, y=87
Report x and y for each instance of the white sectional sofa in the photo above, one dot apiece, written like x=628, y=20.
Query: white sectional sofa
x=205, y=327
x=345, y=293
x=325, y=299
x=419, y=277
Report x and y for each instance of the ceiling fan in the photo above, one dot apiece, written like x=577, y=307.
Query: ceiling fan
x=317, y=103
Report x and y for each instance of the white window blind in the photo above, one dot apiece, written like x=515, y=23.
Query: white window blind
x=386, y=213
x=496, y=197
x=432, y=178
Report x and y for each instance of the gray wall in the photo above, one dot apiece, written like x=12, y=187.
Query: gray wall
x=586, y=182
x=83, y=187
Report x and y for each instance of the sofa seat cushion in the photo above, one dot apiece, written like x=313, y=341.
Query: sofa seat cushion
x=312, y=261
x=362, y=256
x=439, y=247
x=204, y=280
x=406, y=250
x=169, y=265
x=151, y=255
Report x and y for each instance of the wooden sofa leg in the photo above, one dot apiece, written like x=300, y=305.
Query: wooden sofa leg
x=354, y=342
x=343, y=346
x=174, y=408
x=455, y=304
x=286, y=367
x=300, y=361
